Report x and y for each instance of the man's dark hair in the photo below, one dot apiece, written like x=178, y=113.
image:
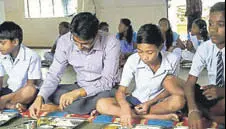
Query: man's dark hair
x=150, y=34
x=85, y=25
x=218, y=7
x=11, y=31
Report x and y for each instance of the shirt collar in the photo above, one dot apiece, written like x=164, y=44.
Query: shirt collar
x=217, y=50
x=21, y=54
x=141, y=64
x=165, y=64
x=97, y=43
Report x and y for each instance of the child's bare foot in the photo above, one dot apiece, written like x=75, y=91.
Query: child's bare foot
x=94, y=113
x=2, y=104
x=173, y=117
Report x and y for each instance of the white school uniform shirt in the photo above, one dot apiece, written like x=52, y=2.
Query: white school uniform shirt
x=27, y=65
x=186, y=54
x=148, y=84
x=206, y=56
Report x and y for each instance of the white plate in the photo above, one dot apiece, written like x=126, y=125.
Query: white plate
x=147, y=127
x=7, y=116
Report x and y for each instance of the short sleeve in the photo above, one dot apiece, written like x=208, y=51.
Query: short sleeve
x=128, y=72
x=198, y=62
x=34, y=71
x=2, y=70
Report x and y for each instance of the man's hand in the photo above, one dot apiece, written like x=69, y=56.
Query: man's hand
x=126, y=117
x=195, y=121
x=142, y=109
x=36, y=107
x=69, y=98
x=212, y=92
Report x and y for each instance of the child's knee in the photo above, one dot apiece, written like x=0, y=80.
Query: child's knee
x=29, y=90
x=178, y=102
x=101, y=105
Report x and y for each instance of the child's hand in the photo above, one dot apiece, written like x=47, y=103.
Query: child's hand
x=142, y=109
x=189, y=45
x=212, y=92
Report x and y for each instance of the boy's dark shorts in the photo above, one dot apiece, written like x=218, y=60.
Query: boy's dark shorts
x=5, y=91
x=202, y=100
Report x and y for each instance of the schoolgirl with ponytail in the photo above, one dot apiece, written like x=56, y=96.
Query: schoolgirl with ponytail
x=199, y=30
x=126, y=36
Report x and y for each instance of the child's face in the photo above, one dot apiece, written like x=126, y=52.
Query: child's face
x=217, y=27
x=7, y=46
x=195, y=30
x=122, y=27
x=164, y=25
x=148, y=52
x=105, y=28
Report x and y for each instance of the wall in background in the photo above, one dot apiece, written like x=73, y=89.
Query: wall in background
x=42, y=32
x=139, y=11
x=2, y=11
x=39, y=32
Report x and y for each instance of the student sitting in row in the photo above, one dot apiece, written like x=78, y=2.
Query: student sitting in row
x=157, y=94
x=199, y=34
x=22, y=66
x=172, y=41
x=126, y=36
x=64, y=28
x=104, y=27
x=127, y=39
x=209, y=100
x=95, y=59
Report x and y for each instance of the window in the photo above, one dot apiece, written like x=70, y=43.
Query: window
x=177, y=9
x=49, y=8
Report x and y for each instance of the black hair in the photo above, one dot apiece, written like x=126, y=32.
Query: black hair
x=65, y=24
x=11, y=31
x=150, y=34
x=129, y=35
x=202, y=27
x=103, y=24
x=218, y=7
x=85, y=25
x=169, y=34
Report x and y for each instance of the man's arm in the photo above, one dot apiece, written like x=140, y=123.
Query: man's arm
x=56, y=70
